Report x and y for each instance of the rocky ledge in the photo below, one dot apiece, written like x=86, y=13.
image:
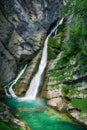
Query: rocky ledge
x=9, y=121
x=64, y=92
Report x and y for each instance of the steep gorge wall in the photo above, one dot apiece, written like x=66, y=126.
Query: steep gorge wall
x=22, y=25
x=66, y=79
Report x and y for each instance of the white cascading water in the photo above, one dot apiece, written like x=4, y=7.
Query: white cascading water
x=11, y=92
x=35, y=83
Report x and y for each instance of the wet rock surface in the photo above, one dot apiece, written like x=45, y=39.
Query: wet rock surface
x=23, y=23
x=25, y=79
x=8, y=119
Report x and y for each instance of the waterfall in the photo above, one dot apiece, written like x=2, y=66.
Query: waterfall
x=10, y=85
x=36, y=81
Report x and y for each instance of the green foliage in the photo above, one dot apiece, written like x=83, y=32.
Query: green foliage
x=74, y=49
x=1, y=109
x=8, y=126
x=66, y=10
x=3, y=126
x=80, y=103
x=77, y=38
x=77, y=43
x=80, y=8
x=60, y=28
x=66, y=89
x=53, y=48
x=76, y=8
x=54, y=43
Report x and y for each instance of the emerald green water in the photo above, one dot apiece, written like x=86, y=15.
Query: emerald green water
x=40, y=117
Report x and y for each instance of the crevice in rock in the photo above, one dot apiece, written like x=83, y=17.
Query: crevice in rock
x=8, y=51
x=79, y=80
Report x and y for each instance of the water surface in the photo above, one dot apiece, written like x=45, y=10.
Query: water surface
x=40, y=117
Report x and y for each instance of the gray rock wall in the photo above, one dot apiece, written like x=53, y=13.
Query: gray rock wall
x=22, y=25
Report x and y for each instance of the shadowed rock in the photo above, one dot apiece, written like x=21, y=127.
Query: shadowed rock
x=23, y=23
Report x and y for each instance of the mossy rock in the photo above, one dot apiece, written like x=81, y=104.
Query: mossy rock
x=54, y=46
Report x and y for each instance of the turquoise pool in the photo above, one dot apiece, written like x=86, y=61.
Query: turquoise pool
x=40, y=117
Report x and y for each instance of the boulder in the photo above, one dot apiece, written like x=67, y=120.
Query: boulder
x=57, y=103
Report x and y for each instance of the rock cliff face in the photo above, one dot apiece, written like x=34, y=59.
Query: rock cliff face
x=23, y=23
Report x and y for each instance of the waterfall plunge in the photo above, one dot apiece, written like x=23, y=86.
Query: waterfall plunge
x=35, y=83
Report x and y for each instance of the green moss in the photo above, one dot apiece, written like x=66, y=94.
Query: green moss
x=54, y=45
x=52, y=48
x=77, y=31
x=53, y=86
x=64, y=60
x=73, y=59
x=64, y=73
x=8, y=126
x=60, y=28
x=66, y=89
x=84, y=91
x=1, y=109
x=3, y=126
x=80, y=103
